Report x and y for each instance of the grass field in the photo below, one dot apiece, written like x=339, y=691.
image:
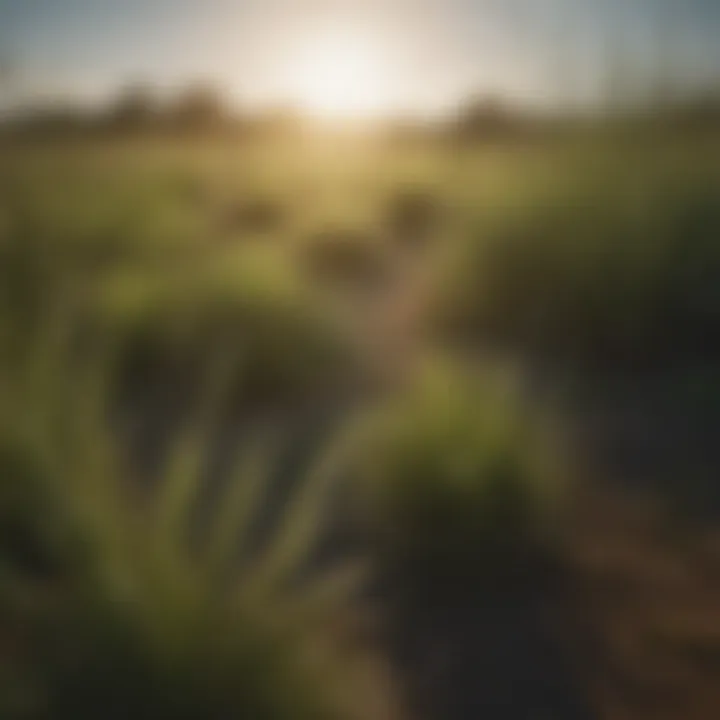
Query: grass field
x=256, y=399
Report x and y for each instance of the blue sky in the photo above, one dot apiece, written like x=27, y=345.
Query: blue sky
x=434, y=50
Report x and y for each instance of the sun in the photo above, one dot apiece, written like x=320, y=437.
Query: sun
x=341, y=76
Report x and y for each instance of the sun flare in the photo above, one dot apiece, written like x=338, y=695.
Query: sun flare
x=340, y=76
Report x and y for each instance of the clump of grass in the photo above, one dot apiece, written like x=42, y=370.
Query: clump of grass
x=35, y=533
x=128, y=614
x=413, y=216
x=464, y=508
x=253, y=312
x=193, y=188
x=345, y=258
x=36, y=280
x=460, y=491
x=254, y=216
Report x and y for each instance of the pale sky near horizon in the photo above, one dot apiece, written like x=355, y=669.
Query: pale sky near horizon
x=426, y=53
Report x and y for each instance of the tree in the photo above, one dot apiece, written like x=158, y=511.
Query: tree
x=484, y=116
x=135, y=107
x=198, y=107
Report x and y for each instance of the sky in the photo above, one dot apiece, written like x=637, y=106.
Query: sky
x=424, y=54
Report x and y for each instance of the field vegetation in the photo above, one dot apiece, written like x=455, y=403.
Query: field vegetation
x=298, y=430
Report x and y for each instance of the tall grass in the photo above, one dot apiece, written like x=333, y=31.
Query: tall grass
x=120, y=598
x=251, y=307
x=458, y=484
x=464, y=504
x=621, y=271
x=112, y=604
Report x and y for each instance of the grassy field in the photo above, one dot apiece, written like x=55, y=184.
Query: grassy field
x=336, y=429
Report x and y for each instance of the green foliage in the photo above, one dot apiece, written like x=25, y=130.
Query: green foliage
x=345, y=258
x=261, y=216
x=130, y=247
x=112, y=609
x=413, y=216
x=251, y=310
x=620, y=272
x=457, y=482
x=118, y=600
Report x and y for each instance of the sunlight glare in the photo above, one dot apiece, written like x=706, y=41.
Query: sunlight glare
x=340, y=76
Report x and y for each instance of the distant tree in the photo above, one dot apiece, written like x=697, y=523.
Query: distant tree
x=484, y=116
x=135, y=108
x=698, y=110
x=199, y=107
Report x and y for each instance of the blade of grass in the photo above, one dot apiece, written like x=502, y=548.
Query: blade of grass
x=302, y=524
x=238, y=508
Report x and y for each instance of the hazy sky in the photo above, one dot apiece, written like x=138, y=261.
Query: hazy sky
x=431, y=51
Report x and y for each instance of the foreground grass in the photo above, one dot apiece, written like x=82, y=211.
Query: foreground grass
x=268, y=278
x=114, y=606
